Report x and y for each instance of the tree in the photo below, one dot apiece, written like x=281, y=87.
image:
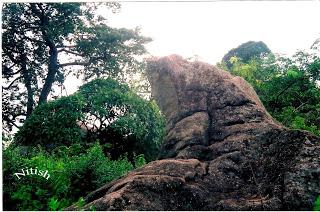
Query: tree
x=246, y=52
x=116, y=116
x=288, y=87
x=107, y=112
x=53, y=124
x=44, y=42
x=293, y=95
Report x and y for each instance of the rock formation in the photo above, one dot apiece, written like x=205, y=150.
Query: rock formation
x=222, y=150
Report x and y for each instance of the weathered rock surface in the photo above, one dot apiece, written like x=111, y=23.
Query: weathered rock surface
x=222, y=150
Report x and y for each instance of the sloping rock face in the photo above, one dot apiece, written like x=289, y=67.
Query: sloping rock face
x=222, y=150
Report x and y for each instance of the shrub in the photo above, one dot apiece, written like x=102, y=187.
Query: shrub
x=115, y=115
x=53, y=124
x=33, y=192
x=102, y=110
x=92, y=169
x=71, y=177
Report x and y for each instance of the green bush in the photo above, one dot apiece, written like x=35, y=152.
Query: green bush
x=102, y=110
x=71, y=177
x=33, y=192
x=92, y=169
x=53, y=124
x=295, y=120
x=128, y=123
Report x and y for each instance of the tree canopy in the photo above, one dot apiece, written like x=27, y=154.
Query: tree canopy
x=246, y=52
x=102, y=110
x=44, y=42
x=287, y=86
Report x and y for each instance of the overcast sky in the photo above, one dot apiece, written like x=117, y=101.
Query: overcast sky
x=210, y=29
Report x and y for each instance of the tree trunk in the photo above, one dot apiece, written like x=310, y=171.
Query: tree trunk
x=27, y=82
x=52, y=70
x=53, y=52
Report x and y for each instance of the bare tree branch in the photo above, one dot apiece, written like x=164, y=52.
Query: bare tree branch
x=70, y=52
x=74, y=64
x=8, y=87
x=8, y=71
x=64, y=46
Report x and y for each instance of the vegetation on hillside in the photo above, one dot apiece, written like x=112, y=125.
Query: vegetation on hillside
x=74, y=172
x=287, y=86
x=84, y=141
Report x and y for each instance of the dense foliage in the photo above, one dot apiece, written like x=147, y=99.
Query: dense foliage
x=102, y=110
x=115, y=115
x=42, y=43
x=53, y=124
x=84, y=141
x=246, y=51
x=73, y=174
x=288, y=87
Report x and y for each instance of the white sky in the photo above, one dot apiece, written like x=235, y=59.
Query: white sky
x=211, y=29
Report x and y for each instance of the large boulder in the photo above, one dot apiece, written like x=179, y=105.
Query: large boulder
x=222, y=150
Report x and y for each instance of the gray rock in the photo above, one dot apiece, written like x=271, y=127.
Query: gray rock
x=223, y=151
